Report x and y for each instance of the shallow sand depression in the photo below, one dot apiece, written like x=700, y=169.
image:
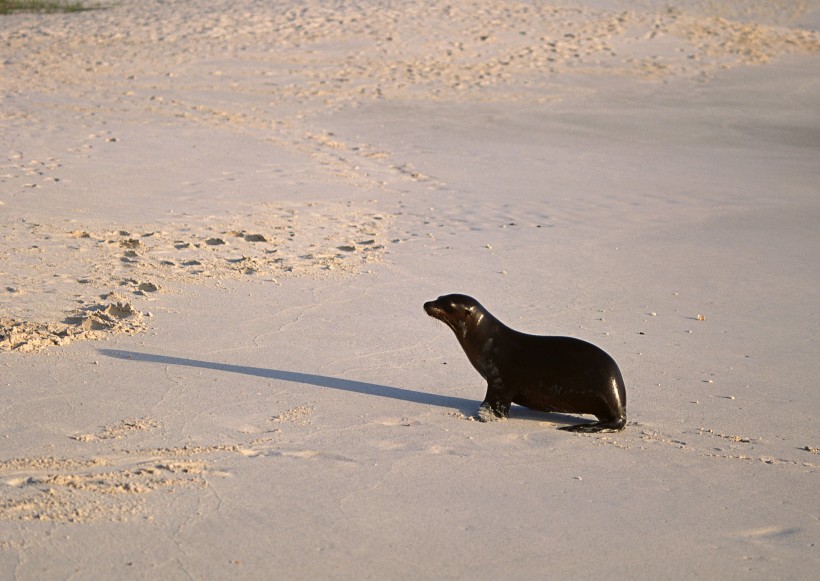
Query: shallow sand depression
x=219, y=222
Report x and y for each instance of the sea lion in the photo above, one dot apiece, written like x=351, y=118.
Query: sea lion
x=548, y=374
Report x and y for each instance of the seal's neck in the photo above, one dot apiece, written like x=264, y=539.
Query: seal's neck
x=477, y=336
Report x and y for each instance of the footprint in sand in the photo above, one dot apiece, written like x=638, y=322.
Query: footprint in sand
x=120, y=429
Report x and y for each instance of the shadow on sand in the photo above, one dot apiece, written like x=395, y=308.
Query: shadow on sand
x=465, y=406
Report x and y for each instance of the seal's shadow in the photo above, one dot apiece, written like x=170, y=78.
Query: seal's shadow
x=465, y=406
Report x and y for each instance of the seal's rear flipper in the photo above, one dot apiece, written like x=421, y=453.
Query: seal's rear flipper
x=615, y=425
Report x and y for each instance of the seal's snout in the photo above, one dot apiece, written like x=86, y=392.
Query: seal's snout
x=430, y=308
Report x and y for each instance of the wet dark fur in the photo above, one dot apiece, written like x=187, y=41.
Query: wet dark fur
x=548, y=374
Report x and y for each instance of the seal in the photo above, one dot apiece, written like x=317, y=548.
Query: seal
x=548, y=374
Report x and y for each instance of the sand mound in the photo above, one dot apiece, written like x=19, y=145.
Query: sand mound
x=93, y=322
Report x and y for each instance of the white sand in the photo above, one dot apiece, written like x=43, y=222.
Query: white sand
x=219, y=221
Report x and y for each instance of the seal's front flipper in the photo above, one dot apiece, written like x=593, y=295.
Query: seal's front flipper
x=615, y=425
x=490, y=412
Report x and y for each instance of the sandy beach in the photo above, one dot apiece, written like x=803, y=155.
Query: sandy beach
x=219, y=222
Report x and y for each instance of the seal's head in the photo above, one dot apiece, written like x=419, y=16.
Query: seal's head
x=459, y=312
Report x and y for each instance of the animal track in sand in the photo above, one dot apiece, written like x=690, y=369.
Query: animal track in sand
x=739, y=448
x=114, y=487
x=396, y=421
x=59, y=278
x=120, y=429
x=296, y=415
